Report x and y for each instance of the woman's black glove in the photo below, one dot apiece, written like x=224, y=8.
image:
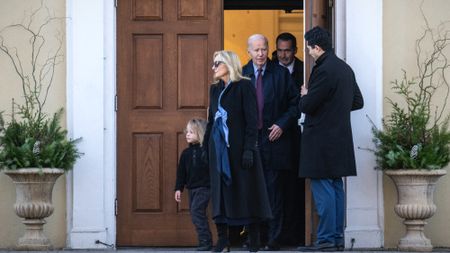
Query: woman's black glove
x=247, y=159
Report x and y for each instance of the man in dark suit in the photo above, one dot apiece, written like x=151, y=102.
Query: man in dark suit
x=277, y=114
x=294, y=209
x=327, y=152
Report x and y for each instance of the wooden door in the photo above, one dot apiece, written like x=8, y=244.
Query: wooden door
x=164, y=56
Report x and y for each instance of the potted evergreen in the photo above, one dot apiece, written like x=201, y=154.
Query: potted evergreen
x=412, y=147
x=34, y=148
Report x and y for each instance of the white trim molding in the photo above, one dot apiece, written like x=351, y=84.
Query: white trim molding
x=91, y=186
x=359, y=42
x=91, y=87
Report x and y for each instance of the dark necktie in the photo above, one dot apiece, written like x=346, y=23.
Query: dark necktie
x=260, y=98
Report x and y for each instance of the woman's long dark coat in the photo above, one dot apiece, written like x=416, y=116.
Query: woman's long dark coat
x=246, y=197
x=327, y=144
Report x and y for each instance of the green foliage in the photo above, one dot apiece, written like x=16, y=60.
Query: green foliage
x=408, y=139
x=32, y=139
x=37, y=144
x=415, y=134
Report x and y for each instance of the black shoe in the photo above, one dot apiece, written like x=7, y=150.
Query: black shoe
x=340, y=243
x=204, y=246
x=271, y=247
x=222, y=246
x=326, y=246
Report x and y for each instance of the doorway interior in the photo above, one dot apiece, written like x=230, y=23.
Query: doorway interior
x=176, y=41
x=270, y=18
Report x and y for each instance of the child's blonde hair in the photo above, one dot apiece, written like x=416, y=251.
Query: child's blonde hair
x=199, y=127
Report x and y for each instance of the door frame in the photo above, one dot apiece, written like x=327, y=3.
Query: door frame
x=91, y=84
x=90, y=92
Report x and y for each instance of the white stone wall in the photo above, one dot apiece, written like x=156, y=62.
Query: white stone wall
x=91, y=115
x=359, y=36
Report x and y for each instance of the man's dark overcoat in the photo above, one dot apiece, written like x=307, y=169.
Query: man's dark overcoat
x=280, y=108
x=297, y=73
x=293, y=219
x=246, y=197
x=327, y=143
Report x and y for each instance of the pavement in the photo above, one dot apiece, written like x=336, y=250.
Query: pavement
x=186, y=250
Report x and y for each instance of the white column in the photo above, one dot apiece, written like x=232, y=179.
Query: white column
x=359, y=42
x=91, y=116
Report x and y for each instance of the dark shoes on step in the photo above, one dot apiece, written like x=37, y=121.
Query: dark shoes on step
x=271, y=247
x=204, y=246
x=324, y=247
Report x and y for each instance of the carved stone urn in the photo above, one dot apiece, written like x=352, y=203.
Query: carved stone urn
x=34, y=188
x=415, y=189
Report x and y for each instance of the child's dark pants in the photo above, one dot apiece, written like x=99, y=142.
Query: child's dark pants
x=198, y=203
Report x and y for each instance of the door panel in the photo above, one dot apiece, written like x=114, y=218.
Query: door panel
x=164, y=51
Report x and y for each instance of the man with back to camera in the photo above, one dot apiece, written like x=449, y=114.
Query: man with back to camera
x=277, y=99
x=327, y=152
x=294, y=223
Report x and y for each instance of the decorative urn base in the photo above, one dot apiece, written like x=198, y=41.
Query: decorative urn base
x=415, y=189
x=34, y=188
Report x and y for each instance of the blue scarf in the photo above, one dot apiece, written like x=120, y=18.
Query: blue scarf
x=220, y=136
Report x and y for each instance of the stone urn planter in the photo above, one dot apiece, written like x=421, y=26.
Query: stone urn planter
x=34, y=188
x=415, y=189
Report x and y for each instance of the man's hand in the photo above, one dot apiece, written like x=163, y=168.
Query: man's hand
x=178, y=196
x=275, y=132
x=303, y=90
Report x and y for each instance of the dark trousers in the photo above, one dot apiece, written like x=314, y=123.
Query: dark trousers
x=275, y=182
x=198, y=204
x=329, y=198
x=293, y=232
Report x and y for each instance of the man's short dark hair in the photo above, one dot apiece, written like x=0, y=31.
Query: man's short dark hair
x=287, y=37
x=318, y=37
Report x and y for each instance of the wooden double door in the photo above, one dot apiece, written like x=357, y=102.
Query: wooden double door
x=164, y=56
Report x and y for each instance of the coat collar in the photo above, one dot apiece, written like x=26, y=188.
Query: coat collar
x=322, y=58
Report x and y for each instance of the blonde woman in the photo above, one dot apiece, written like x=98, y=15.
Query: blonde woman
x=238, y=192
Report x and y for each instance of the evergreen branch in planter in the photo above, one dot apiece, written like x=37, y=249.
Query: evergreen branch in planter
x=415, y=134
x=33, y=139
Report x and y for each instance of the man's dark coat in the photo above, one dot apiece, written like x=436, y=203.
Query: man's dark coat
x=246, y=197
x=280, y=108
x=327, y=144
x=297, y=73
x=294, y=213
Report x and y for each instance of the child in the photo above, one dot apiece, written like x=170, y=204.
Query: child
x=193, y=172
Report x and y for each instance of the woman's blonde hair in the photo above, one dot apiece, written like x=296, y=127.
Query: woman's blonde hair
x=199, y=127
x=231, y=60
